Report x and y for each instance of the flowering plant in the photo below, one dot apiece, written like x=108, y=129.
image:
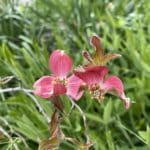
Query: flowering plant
x=58, y=83
x=90, y=77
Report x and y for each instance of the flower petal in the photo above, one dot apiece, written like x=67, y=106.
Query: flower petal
x=126, y=100
x=43, y=87
x=114, y=86
x=60, y=63
x=113, y=82
x=87, y=56
x=73, y=87
x=109, y=57
x=59, y=89
x=92, y=75
x=96, y=42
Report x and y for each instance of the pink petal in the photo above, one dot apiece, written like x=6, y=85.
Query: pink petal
x=73, y=87
x=60, y=63
x=43, y=87
x=126, y=100
x=115, y=86
x=92, y=75
x=113, y=82
x=59, y=89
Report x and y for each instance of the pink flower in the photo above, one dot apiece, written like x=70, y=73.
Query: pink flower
x=98, y=85
x=58, y=83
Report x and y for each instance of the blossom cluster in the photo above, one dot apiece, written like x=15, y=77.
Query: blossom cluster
x=92, y=76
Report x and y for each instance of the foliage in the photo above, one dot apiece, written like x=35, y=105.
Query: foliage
x=29, y=34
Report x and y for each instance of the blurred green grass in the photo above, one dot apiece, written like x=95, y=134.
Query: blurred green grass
x=29, y=34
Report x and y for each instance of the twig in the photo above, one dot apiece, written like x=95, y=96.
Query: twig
x=9, y=137
x=38, y=105
x=84, y=119
x=27, y=92
x=12, y=131
x=15, y=90
x=72, y=107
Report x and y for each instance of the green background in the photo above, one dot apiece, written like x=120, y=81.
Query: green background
x=28, y=34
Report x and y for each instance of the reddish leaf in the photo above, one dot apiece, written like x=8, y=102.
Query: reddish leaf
x=87, y=56
x=99, y=58
x=57, y=135
x=96, y=42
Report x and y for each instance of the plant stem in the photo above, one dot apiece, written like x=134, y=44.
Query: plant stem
x=84, y=119
x=29, y=93
x=15, y=90
x=9, y=137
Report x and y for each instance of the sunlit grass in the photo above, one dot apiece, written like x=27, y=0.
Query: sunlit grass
x=26, y=43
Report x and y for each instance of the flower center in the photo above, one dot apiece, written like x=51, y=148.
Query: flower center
x=96, y=92
x=62, y=81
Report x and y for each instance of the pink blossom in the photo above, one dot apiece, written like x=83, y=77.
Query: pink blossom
x=57, y=84
x=98, y=84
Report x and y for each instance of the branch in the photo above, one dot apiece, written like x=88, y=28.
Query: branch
x=38, y=105
x=13, y=132
x=29, y=93
x=71, y=109
x=15, y=90
x=84, y=119
x=9, y=137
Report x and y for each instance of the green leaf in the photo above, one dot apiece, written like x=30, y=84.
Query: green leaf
x=146, y=135
x=107, y=112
